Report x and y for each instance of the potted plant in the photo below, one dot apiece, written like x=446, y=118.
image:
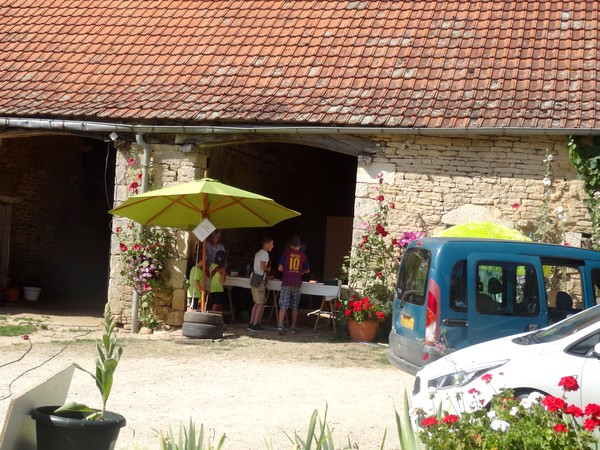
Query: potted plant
x=363, y=316
x=75, y=426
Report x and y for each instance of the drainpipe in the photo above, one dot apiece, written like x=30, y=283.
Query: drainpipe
x=135, y=301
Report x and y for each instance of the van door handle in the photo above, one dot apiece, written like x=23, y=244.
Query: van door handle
x=455, y=322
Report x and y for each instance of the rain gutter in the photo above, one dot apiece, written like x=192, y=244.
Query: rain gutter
x=105, y=127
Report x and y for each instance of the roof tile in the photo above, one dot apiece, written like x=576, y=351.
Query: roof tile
x=374, y=63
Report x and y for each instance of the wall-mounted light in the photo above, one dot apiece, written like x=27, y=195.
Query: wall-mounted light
x=365, y=159
x=113, y=136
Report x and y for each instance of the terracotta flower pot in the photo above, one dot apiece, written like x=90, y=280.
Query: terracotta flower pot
x=364, y=331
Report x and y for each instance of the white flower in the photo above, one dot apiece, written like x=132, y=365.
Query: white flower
x=533, y=398
x=547, y=181
x=499, y=425
x=559, y=210
x=491, y=414
x=549, y=157
x=514, y=410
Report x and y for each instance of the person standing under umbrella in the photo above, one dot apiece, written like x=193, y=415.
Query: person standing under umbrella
x=293, y=264
x=261, y=267
x=213, y=246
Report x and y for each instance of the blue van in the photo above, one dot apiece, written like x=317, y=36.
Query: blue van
x=456, y=292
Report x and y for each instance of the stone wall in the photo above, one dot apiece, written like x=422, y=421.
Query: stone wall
x=168, y=166
x=450, y=180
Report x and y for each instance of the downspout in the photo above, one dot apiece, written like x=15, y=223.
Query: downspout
x=135, y=301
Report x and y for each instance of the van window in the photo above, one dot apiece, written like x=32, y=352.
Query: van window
x=458, y=287
x=596, y=282
x=412, y=276
x=507, y=289
x=561, y=277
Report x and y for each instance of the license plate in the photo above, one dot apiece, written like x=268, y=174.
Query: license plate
x=407, y=322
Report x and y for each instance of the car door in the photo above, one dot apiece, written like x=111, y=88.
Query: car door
x=590, y=373
x=505, y=295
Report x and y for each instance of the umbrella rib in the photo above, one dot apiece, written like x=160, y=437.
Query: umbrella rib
x=239, y=201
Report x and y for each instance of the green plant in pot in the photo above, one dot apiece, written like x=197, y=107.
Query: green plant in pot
x=75, y=426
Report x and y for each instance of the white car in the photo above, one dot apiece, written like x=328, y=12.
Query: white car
x=529, y=362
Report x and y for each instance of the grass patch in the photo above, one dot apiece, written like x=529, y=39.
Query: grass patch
x=17, y=330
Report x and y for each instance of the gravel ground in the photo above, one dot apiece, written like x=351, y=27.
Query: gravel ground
x=254, y=388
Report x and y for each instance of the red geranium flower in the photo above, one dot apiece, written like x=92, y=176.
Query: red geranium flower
x=516, y=205
x=560, y=428
x=131, y=161
x=574, y=411
x=122, y=247
x=487, y=377
x=450, y=419
x=429, y=421
x=591, y=423
x=592, y=409
x=568, y=384
x=133, y=186
x=553, y=403
x=137, y=247
x=380, y=315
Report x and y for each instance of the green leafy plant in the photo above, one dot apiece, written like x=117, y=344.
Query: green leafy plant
x=372, y=265
x=108, y=358
x=144, y=252
x=585, y=156
x=535, y=421
x=186, y=439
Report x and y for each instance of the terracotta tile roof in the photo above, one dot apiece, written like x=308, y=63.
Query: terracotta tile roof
x=428, y=64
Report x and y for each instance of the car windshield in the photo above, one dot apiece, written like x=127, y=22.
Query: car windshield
x=568, y=326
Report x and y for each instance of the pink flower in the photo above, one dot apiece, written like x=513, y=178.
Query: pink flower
x=118, y=230
x=131, y=161
x=137, y=247
x=122, y=247
x=487, y=378
x=515, y=205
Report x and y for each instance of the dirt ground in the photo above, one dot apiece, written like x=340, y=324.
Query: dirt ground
x=257, y=389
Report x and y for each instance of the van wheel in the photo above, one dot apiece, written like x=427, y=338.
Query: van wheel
x=203, y=317
x=201, y=330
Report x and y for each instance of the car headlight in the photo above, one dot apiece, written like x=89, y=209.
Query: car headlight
x=461, y=377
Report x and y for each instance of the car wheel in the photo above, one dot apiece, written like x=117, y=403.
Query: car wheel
x=208, y=318
x=201, y=330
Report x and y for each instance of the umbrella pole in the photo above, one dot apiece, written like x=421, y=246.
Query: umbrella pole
x=203, y=300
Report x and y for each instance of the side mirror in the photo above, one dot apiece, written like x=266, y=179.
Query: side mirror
x=596, y=350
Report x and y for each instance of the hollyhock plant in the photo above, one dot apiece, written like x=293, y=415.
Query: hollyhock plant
x=372, y=265
x=512, y=421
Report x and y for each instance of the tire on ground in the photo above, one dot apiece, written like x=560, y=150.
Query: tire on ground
x=203, y=317
x=201, y=330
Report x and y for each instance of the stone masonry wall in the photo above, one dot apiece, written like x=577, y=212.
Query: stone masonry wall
x=168, y=166
x=450, y=180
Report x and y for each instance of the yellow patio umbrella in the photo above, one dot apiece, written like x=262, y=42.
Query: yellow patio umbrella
x=185, y=205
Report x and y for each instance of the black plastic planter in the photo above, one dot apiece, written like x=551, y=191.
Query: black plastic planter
x=70, y=431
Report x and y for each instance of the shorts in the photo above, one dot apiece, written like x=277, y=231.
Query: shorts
x=192, y=303
x=259, y=294
x=289, y=297
x=217, y=298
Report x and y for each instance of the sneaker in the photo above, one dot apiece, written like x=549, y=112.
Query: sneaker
x=249, y=327
x=258, y=329
x=281, y=330
x=292, y=330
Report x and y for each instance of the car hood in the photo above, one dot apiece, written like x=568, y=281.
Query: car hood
x=485, y=354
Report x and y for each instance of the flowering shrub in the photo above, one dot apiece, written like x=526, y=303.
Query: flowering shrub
x=143, y=253
x=360, y=309
x=535, y=422
x=372, y=264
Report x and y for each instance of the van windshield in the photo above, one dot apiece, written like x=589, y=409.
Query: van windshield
x=412, y=276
